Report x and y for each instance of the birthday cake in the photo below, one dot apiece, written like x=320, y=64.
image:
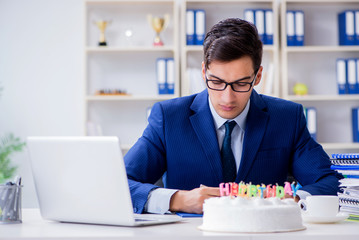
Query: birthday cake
x=236, y=213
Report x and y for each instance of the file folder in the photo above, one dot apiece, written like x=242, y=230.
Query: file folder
x=356, y=17
x=249, y=15
x=341, y=76
x=355, y=124
x=170, y=76
x=200, y=26
x=161, y=75
x=259, y=22
x=290, y=28
x=346, y=28
x=190, y=27
x=268, y=26
x=312, y=121
x=352, y=81
x=299, y=28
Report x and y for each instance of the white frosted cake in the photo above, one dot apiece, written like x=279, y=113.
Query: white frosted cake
x=236, y=214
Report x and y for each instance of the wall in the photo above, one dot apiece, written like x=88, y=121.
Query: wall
x=41, y=72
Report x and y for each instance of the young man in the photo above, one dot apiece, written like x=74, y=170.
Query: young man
x=226, y=133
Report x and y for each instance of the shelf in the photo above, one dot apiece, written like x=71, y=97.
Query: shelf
x=130, y=98
x=199, y=48
x=345, y=97
x=305, y=49
x=341, y=146
x=229, y=1
x=128, y=49
x=102, y=2
x=322, y=1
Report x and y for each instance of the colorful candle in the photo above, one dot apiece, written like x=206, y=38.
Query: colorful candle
x=262, y=190
x=287, y=188
x=234, y=189
x=280, y=191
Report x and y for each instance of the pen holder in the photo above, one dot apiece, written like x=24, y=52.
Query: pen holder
x=10, y=204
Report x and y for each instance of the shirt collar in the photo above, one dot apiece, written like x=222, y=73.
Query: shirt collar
x=240, y=119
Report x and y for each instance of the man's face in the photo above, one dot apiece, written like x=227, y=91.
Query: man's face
x=228, y=103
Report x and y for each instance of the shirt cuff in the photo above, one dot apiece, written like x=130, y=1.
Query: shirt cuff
x=303, y=194
x=158, y=200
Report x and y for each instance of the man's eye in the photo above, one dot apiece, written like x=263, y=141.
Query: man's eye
x=217, y=82
x=241, y=84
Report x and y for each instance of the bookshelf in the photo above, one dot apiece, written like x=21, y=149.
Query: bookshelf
x=118, y=64
x=334, y=128
x=191, y=56
x=128, y=62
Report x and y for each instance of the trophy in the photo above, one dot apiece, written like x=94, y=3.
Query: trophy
x=158, y=24
x=102, y=26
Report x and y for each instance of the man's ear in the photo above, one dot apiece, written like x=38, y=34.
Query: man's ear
x=259, y=76
x=203, y=72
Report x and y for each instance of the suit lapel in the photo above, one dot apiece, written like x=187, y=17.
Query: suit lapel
x=256, y=125
x=203, y=125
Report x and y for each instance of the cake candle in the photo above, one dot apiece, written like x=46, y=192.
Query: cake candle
x=287, y=188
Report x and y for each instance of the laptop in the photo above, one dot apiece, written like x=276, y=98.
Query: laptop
x=83, y=180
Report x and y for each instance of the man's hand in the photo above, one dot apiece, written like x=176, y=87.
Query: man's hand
x=192, y=201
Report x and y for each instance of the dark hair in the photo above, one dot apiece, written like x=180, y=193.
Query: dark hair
x=231, y=39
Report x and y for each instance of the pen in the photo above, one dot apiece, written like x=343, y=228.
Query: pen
x=15, y=212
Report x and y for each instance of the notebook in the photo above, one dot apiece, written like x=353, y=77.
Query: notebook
x=83, y=180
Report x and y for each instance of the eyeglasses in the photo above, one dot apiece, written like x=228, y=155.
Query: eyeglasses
x=237, y=86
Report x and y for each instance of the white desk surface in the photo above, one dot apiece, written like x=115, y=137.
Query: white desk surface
x=34, y=227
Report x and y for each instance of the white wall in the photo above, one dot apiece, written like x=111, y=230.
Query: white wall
x=41, y=72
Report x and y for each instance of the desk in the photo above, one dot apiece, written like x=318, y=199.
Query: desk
x=35, y=227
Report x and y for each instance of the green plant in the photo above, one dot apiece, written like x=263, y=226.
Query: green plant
x=8, y=145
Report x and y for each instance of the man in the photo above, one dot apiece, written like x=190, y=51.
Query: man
x=226, y=133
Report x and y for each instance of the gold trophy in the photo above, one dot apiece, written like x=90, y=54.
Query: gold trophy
x=158, y=24
x=102, y=24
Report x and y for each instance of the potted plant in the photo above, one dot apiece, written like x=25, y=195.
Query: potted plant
x=9, y=144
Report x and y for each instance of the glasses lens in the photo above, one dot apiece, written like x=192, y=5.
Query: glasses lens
x=241, y=86
x=216, y=85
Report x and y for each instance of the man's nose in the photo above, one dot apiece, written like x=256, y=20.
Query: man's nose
x=228, y=94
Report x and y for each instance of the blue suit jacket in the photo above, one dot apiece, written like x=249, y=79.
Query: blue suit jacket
x=181, y=142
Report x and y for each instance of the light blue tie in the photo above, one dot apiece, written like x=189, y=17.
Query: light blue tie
x=228, y=161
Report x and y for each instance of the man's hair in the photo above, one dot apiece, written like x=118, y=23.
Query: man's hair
x=231, y=39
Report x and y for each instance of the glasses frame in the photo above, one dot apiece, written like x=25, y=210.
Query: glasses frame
x=231, y=84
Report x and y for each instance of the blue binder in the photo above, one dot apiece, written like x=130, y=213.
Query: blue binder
x=299, y=28
x=249, y=15
x=342, y=76
x=355, y=124
x=290, y=28
x=260, y=23
x=190, y=38
x=200, y=26
x=311, y=115
x=346, y=24
x=268, y=30
x=356, y=23
x=352, y=76
x=161, y=75
x=170, y=76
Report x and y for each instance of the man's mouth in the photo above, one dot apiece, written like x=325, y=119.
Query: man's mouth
x=226, y=108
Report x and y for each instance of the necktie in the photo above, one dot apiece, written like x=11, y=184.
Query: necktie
x=228, y=161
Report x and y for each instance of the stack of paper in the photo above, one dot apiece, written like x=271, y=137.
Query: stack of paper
x=348, y=166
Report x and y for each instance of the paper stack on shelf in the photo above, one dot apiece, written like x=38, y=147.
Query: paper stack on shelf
x=348, y=166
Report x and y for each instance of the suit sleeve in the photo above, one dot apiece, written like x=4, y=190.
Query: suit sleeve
x=311, y=165
x=145, y=161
